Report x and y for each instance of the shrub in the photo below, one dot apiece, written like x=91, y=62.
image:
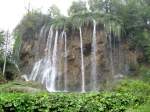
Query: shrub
x=67, y=102
x=144, y=73
x=135, y=87
x=129, y=96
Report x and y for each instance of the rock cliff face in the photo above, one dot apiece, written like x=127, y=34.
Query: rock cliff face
x=32, y=50
x=113, y=57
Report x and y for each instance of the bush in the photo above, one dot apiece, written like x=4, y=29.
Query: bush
x=144, y=73
x=142, y=108
x=129, y=96
x=134, y=87
x=67, y=102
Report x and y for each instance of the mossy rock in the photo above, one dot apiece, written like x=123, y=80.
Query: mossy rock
x=21, y=87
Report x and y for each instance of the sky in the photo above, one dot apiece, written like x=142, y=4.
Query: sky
x=12, y=11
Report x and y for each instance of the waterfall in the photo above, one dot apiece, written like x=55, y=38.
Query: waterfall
x=52, y=70
x=45, y=70
x=88, y=6
x=93, y=59
x=47, y=62
x=36, y=68
x=119, y=48
x=82, y=62
x=53, y=75
x=65, y=64
x=42, y=31
x=49, y=43
x=59, y=60
x=35, y=71
x=111, y=52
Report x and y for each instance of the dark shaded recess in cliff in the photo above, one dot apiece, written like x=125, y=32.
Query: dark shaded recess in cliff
x=87, y=49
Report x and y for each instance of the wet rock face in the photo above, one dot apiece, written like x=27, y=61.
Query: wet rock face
x=34, y=49
x=74, y=56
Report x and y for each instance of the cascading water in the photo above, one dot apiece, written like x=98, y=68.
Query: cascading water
x=93, y=59
x=53, y=71
x=54, y=65
x=65, y=64
x=111, y=51
x=87, y=6
x=35, y=71
x=49, y=43
x=47, y=62
x=45, y=70
x=82, y=62
x=59, y=61
x=119, y=51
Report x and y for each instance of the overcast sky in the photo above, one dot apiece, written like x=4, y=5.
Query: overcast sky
x=11, y=11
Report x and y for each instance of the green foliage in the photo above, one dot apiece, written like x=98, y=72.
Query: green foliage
x=135, y=87
x=1, y=38
x=61, y=22
x=141, y=41
x=11, y=71
x=101, y=102
x=31, y=23
x=142, y=108
x=129, y=96
x=96, y=5
x=77, y=8
x=1, y=43
x=144, y=74
x=17, y=47
x=80, y=20
x=54, y=11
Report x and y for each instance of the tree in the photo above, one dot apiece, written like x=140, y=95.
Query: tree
x=31, y=23
x=54, y=11
x=1, y=42
x=5, y=53
x=77, y=8
x=96, y=5
x=17, y=46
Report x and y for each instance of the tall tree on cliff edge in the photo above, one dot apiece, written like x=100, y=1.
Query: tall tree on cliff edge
x=5, y=52
x=1, y=43
x=1, y=49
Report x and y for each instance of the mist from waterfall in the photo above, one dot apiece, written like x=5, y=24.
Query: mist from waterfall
x=82, y=62
x=93, y=59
